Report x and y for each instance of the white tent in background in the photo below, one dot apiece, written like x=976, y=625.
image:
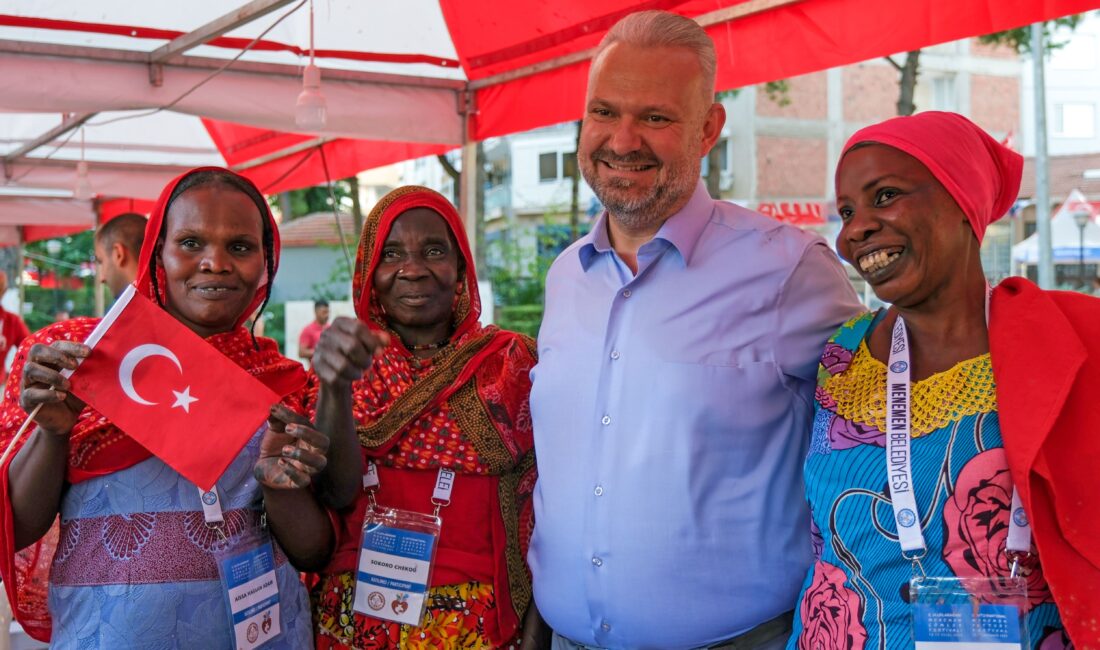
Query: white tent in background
x=1066, y=235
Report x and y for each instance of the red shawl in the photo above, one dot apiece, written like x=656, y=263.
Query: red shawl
x=98, y=448
x=1045, y=348
x=467, y=408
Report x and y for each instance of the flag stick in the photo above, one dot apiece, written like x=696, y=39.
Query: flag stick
x=19, y=434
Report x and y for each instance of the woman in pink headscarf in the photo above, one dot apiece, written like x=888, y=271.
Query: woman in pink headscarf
x=947, y=422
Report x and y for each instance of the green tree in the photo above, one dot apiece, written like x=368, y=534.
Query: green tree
x=1018, y=39
x=299, y=203
x=72, y=259
x=518, y=270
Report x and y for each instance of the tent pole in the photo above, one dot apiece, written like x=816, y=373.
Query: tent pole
x=467, y=191
x=468, y=195
x=97, y=286
x=21, y=269
x=1042, y=189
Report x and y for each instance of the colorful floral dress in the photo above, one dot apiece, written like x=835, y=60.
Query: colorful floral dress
x=855, y=595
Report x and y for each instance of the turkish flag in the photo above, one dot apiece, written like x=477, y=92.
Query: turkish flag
x=169, y=390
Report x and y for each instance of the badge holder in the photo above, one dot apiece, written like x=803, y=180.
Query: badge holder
x=976, y=613
x=397, y=553
x=246, y=568
x=947, y=613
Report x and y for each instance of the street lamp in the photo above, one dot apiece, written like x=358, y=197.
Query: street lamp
x=1082, y=219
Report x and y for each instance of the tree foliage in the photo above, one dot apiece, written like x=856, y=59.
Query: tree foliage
x=1019, y=39
x=315, y=199
x=778, y=91
x=75, y=250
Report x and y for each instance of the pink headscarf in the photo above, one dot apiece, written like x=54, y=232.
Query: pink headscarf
x=982, y=175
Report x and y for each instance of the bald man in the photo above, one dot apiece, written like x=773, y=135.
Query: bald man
x=117, y=247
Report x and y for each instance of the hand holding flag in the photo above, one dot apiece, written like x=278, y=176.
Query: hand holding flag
x=45, y=385
x=169, y=390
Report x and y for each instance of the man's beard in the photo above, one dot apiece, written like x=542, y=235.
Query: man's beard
x=640, y=212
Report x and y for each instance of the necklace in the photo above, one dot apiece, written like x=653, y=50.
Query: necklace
x=426, y=346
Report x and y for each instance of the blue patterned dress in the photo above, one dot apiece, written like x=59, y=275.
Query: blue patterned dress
x=855, y=594
x=135, y=567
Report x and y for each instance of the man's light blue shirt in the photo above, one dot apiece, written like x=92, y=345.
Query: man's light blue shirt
x=672, y=413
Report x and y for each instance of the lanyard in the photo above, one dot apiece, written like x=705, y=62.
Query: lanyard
x=899, y=460
x=441, y=494
x=211, y=506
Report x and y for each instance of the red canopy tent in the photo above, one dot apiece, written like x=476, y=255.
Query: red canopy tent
x=400, y=81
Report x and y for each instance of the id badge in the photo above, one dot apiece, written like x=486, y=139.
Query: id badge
x=247, y=571
x=395, y=564
x=972, y=613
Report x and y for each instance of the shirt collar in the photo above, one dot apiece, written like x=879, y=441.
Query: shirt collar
x=682, y=229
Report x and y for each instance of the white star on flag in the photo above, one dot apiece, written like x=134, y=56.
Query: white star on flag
x=184, y=399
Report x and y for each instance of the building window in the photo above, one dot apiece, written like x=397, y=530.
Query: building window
x=548, y=166
x=568, y=164
x=1074, y=120
x=943, y=93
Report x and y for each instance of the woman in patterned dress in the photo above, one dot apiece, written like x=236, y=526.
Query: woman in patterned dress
x=439, y=390
x=132, y=562
x=915, y=195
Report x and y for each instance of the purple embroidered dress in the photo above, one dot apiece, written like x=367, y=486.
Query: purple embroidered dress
x=135, y=568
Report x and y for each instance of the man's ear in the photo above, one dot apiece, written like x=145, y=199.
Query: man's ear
x=712, y=126
x=119, y=254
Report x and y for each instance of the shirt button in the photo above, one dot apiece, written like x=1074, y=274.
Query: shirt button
x=615, y=354
x=606, y=627
x=605, y=420
x=598, y=491
x=597, y=561
x=626, y=293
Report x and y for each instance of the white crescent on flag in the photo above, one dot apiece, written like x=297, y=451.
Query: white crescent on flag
x=134, y=357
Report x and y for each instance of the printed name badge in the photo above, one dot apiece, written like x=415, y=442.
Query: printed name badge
x=395, y=565
x=985, y=627
x=252, y=590
x=971, y=613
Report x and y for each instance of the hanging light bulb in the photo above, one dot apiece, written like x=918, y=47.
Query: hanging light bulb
x=310, y=110
x=83, y=189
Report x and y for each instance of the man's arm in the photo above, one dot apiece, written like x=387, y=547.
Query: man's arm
x=816, y=299
x=307, y=343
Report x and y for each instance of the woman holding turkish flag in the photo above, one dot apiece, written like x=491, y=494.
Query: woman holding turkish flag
x=443, y=401
x=134, y=560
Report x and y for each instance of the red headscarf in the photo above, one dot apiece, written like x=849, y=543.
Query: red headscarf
x=982, y=175
x=96, y=446
x=377, y=228
x=151, y=245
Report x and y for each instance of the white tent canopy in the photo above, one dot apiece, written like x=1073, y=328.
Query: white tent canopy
x=1066, y=235
x=58, y=78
